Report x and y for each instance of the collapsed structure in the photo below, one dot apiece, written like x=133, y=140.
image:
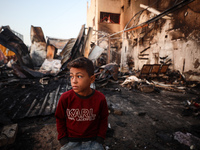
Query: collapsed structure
x=136, y=44
x=128, y=33
x=149, y=32
x=140, y=38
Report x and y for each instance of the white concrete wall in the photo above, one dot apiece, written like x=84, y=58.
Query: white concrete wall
x=91, y=12
x=183, y=53
x=183, y=50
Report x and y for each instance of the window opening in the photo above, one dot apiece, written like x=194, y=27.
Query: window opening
x=109, y=17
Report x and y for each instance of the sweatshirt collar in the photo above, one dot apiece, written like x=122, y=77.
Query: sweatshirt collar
x=85, y=97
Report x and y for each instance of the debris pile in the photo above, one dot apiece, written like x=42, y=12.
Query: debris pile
x=33, y=81
x=50, y=59
x=192, y=107
x=187, y=139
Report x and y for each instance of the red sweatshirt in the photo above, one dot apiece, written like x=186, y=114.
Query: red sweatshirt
x=81, y=117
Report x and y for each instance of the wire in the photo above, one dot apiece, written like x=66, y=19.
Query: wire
x=140, y=12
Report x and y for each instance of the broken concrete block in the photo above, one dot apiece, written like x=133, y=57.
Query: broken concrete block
x=146, y=88
x=8, y=134
x=52, y=65
x=38, y=53
x=118, y=112
x=130, y=79
x=44, y=80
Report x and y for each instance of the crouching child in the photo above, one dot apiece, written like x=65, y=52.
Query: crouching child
x=82, y=112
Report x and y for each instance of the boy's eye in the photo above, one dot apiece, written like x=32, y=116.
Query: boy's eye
x=79, y=76
x=71, y=77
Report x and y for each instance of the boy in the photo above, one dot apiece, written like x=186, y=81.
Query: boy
x=82, y=112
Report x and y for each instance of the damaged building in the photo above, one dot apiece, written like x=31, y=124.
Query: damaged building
x=146, y=57
x=149, y=32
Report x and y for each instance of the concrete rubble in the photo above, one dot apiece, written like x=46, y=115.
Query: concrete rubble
x=153, y=104
x=8, y=134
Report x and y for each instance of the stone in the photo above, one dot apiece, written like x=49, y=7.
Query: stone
x=8, y=134
x=146, y=88
x=118, y=112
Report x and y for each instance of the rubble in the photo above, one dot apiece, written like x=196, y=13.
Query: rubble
x=118, y=112
x=38, y=51
x=192, y=107
x=150, y=78
x=169, y=87
x=95, y=53
x=107, y=71
x=146, y=88
x=8, y=134
x=15, y=44
x=51, y=65
x=74, y=48
x=158, y=96
x=192, y=76
x=187, y=139
x=131, y=80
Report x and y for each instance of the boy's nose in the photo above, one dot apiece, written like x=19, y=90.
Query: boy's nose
x=74, y=80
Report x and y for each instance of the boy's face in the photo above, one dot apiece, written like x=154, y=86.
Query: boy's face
x=81, y=81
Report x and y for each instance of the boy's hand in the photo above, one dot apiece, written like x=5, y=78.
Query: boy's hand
x=63, y=141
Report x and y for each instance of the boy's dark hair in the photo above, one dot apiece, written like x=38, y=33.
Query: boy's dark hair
x=84, y=63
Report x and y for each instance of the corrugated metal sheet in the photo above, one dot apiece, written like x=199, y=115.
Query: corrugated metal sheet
x=66, y=52
x=28, y=98
x=72, y=51
x=9, y=40
x=37, y=34
x=57, y=43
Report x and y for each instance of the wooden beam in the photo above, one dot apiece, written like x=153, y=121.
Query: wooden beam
x=154, y=11
x=50, y=52
x=87, y=42
x=108, y=50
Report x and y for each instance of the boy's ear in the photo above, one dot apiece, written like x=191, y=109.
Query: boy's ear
x=92, y=78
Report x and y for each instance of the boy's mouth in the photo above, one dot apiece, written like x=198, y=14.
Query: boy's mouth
x=75, y=87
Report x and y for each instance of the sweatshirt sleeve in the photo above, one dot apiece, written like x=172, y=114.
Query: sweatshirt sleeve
x=60, y=115
x=103, y=119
